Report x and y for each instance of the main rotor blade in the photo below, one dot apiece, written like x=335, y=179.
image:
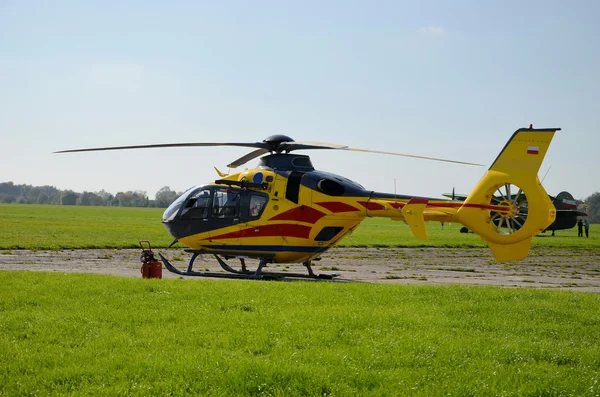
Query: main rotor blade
x=312, y=145
x=263, y=147
x=166, y=145
x=411, y=155
x=250, y=156
x=322, y=145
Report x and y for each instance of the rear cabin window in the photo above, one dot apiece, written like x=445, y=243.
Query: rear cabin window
x=226, y=204
x=257, y=203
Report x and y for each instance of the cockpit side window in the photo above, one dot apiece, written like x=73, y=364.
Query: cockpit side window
x=226, y=204
x=257, y=204
x=197, y=206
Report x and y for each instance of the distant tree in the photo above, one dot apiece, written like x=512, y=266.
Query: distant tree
x=7, y=198
x=68, y=197
x=139, y=199
x=165, y=196
x=107, y=198
x=52, y=193
x=88, y=198
x=9, y=188
x=592, y=204
x=43, y=198
x=83, y=198
x=122, y=200
x=131, y=199
x=96, y=200
x=28, y=194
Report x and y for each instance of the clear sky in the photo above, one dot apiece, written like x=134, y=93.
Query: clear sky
x=449, y=79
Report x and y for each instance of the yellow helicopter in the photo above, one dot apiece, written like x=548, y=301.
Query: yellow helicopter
x=285, y=211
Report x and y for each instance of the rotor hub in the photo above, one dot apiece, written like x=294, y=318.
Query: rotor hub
x=512, y=209
x=275, y=142
x=278, y=139
x=513, y=214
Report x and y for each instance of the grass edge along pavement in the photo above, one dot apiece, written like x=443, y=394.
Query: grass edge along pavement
x=105, y=335
x=56, y=227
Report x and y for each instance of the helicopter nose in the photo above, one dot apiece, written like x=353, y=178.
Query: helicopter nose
x=176, y=228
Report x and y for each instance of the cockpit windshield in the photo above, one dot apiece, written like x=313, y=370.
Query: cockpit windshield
x=197, y=205
x=172, y=210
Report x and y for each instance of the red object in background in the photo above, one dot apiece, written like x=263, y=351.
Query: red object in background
x=151, y=268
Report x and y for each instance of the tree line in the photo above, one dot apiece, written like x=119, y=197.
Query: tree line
x=591, y=205
x=28, y=194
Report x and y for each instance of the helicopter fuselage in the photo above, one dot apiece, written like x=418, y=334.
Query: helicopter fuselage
x=284, y=210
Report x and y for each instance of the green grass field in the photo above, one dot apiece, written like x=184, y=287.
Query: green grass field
x=75, y=334
x=69, y=334
x=62, y=227
x=66, y=227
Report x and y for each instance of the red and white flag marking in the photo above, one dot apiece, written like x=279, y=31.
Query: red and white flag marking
x=533, y=149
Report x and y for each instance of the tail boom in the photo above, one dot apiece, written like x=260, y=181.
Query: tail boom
x=507, y=222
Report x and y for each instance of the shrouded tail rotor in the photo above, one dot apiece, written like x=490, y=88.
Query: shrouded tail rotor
x=511, y=197
x=509, y=205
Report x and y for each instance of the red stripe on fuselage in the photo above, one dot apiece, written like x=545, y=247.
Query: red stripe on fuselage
x=458, y=205
x=341, y=207
x=337, y=206
x=418, y=200
x=302, y=213
x=283, y=230
x=372, y=206
x=398, y=205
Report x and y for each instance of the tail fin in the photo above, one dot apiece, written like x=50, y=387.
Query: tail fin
x=508, y=222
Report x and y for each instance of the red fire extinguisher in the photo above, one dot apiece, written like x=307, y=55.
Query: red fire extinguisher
x=151, y=268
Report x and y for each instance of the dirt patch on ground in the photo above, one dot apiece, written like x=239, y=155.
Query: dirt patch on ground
x=544, y=268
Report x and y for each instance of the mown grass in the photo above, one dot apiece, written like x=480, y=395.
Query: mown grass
x=103, y=335
x=65, y=227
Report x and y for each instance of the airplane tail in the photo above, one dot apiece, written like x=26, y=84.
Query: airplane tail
x=508, y=222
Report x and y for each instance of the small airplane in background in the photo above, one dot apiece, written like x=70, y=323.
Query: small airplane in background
x=566, y=212
x=565, y=204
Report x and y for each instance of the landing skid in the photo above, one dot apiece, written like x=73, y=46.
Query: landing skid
x=244, y=273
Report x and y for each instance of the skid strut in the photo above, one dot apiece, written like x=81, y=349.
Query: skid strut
x=244, y=273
